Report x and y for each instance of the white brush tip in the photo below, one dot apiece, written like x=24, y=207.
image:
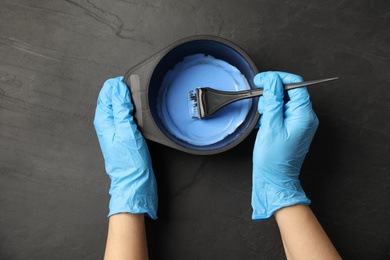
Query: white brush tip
x=193, y=104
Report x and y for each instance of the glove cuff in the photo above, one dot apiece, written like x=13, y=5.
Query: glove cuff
x=267, y=197
x=135, y=192
x=135, y=205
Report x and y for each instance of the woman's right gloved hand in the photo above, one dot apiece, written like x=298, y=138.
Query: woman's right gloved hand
x=282, y=142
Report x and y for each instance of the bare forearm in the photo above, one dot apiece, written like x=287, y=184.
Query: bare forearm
x=126, y=237
x=302, y=234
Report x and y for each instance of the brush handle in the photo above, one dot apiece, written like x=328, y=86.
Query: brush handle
x=210, y=100
x=239, y=95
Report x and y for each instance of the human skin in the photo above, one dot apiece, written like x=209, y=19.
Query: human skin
x=126, y=237
x=302, y=235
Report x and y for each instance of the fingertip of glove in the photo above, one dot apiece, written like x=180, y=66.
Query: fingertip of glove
x=257, y=80
x=109, y=84
x=273, y=86
x=119, y=86
x=260, y=78
x=114, y=93
x=121, y=93
x=299, y=97
x=260, y=105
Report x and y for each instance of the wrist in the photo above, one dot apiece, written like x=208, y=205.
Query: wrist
x=136, y=204
x=135, y=192
x=270, y=195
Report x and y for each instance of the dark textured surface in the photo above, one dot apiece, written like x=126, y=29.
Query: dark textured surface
x=55, y=56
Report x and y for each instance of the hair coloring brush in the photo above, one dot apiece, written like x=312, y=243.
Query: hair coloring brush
x=203, y=102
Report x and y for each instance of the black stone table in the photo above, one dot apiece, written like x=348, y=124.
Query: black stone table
x=54, y=58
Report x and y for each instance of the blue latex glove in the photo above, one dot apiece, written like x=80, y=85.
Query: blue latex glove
x=282, y=142
x=127, y=159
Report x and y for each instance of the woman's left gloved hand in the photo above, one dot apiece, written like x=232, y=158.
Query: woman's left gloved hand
x=127, y=158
